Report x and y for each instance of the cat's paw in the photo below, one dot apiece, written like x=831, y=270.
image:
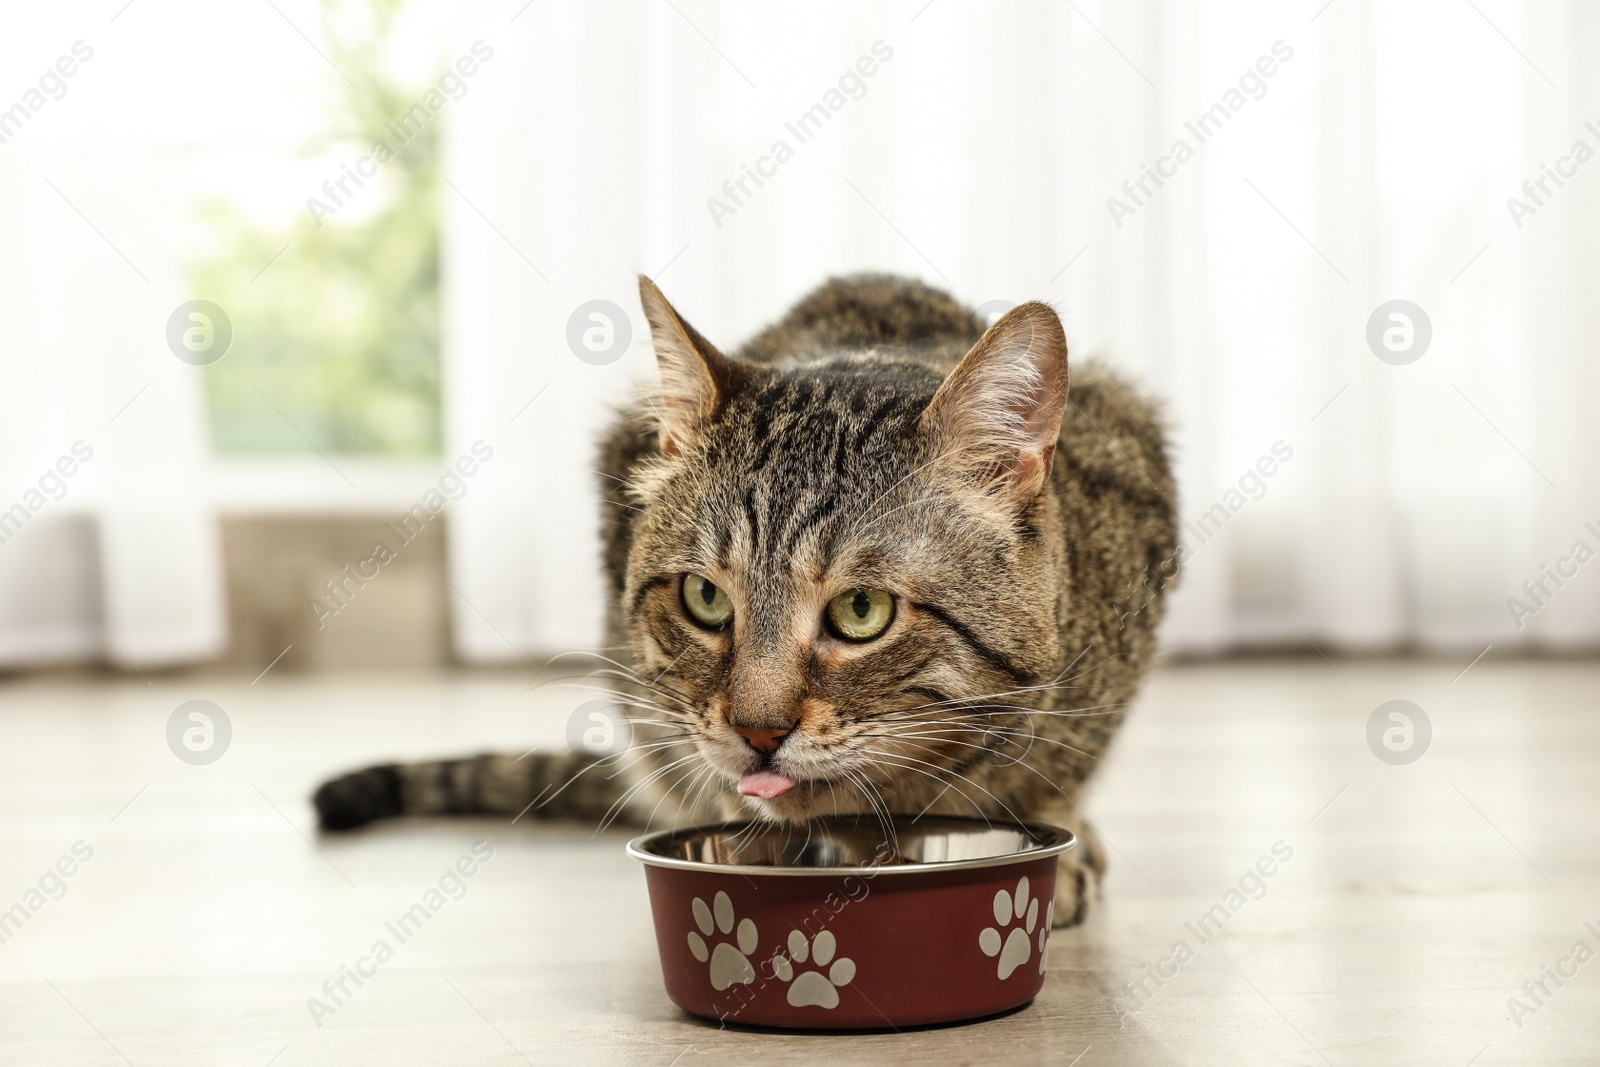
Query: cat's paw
x=730, y=960
x=1014, y=948
x=1077, y=888
x=813, y=988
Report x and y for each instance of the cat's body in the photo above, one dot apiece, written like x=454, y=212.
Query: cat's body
x=817, y=469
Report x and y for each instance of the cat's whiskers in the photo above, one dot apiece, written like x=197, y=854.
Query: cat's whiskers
x=1017, y=691
x=615, y=666
x=653, y=687
x=684, y=737
x=617, y=761
x=618, y=696
x=713, y=776
x=618, y=805
x=541, y=800
x=623, y=671
x=963, y=722
x=1004, y=758
x=678, y=788
x=1010, y=709
x=672, y=719
x=991, y=729
x=946, y=785
x=752, y=831
x=639, y=703
x=939, y=774
x=658, y=688
x=879, y=806
x=913, y=740
x=671, y=791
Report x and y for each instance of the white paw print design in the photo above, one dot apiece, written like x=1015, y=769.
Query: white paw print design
x=1017, y=947
x=729, y=965
x=813, y=988
x=1044, y=933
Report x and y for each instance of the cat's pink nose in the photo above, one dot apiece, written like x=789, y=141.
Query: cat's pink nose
x=760, y=738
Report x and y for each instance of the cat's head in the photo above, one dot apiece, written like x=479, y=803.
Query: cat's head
x=843, y=574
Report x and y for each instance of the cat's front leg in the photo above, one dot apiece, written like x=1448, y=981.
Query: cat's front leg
x=1078, y=875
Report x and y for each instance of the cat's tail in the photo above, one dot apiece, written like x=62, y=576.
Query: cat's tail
x=542, y=785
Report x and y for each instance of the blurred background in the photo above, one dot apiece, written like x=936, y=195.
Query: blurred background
x=311, y=310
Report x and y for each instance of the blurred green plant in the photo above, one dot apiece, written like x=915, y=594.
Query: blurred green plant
x=336, y=344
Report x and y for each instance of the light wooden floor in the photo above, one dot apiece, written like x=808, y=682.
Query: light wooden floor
x=1418, y=898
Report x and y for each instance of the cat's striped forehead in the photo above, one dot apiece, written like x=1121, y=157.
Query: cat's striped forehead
x=800, y=462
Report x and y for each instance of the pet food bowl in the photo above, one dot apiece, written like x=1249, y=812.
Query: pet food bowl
x=839, y=924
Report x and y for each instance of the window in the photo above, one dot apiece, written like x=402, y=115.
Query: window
x=335, y=310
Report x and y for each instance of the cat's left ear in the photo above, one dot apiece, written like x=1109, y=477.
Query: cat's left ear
x=695, y=378
x=997, y=415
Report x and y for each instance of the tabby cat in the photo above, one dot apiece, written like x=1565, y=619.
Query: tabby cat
x=875, y=561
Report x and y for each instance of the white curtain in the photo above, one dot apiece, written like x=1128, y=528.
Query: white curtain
x=1342, y=167
x=108, y=549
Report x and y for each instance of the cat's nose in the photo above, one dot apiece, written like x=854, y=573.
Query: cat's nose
x=761, y=738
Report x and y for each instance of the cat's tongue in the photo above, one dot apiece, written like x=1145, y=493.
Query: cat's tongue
x=764, y=784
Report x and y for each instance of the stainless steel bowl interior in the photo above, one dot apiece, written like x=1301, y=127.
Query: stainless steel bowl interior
x=842, y=845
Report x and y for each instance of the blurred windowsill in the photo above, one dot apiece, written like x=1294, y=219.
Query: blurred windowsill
x=338, y=485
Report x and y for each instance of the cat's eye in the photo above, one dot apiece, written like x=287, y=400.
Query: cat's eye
x=861, y=614
x=706, y=604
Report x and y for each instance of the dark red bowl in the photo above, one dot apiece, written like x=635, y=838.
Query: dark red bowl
x=842, y=924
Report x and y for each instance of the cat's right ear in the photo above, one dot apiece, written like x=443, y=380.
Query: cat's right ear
x=997, y=415
x=695, y=378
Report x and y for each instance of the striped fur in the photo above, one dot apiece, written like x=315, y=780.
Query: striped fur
x=1028, y=590
x=541, y=785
